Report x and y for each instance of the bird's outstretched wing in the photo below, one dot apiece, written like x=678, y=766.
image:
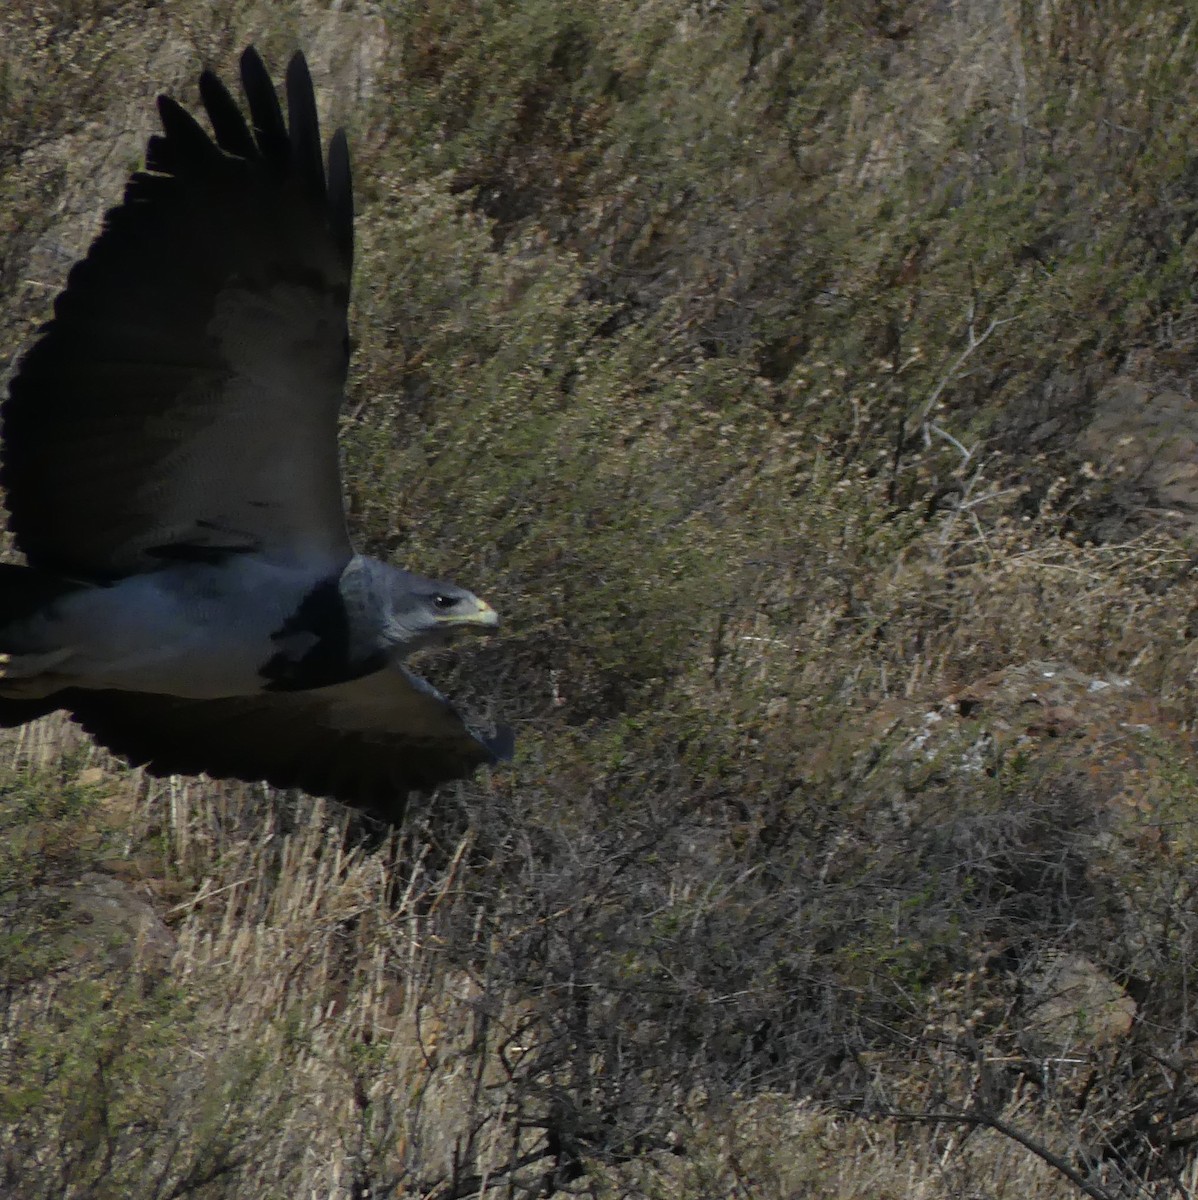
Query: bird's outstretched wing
x=182, y=403
x=366, y=743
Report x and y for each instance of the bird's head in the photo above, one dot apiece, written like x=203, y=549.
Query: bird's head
x=428, y=612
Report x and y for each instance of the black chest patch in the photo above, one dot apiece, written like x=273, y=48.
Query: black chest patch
x=315, y=646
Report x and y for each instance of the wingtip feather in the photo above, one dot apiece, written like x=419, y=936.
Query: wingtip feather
x=232, y=133
x=341, y=194
x=305, y=124
x=266, y=114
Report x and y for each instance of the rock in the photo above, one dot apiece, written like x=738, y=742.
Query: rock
x=1146, y=441
x=1074, y=1008
x=114, y=925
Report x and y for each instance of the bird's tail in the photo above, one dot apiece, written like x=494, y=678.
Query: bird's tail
x=24, y=594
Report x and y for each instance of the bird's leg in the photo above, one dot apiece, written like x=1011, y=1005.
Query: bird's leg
x=29, y=674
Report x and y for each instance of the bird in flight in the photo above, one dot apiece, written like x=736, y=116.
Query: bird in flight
x=190, y=593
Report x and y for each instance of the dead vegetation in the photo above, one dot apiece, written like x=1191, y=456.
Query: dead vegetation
x=799, y=380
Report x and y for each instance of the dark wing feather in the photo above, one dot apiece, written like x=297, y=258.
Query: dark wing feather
x=366, y=743
x=228, y=124
x=186, y=392
x=305, y=128
x=269, y=127
x=341, y=194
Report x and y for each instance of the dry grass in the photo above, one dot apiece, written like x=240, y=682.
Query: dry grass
x=758, y=341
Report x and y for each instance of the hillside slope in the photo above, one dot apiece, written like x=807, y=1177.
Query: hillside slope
x=809, y=387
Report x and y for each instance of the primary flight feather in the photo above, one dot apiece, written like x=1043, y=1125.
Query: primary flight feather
x=169, y=458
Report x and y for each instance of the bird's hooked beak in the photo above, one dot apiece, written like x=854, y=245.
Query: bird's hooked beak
x=477, y=615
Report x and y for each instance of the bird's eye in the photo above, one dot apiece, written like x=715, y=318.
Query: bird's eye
x=444, y=602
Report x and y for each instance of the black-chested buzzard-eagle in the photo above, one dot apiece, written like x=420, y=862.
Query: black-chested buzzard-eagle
x=191, y=594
